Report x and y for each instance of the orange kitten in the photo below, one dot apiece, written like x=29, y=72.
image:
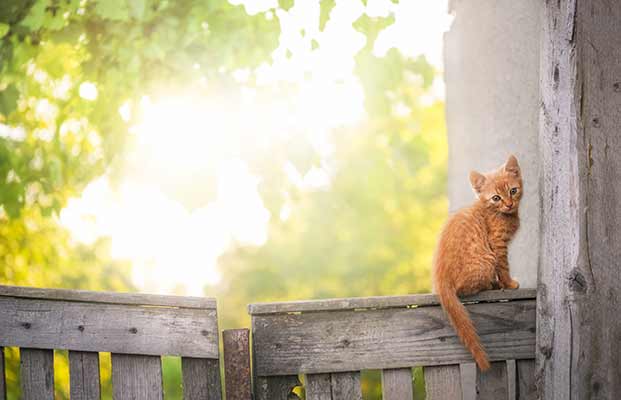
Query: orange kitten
x=472, y=251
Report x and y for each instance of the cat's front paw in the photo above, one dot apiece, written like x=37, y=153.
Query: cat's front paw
x=513, y=284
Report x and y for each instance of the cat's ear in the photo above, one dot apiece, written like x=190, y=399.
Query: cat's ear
x=512, y=166
x=477, y=180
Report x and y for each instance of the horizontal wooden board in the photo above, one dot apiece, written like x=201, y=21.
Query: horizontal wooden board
x=320, y=342
x=54, y=324
x=108, y=297
x=378, y=302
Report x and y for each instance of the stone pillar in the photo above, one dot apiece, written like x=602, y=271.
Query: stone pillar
x=492, y=79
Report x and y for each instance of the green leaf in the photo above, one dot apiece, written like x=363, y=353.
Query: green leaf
x=36, y=16
x=285, y=4
x=115, y=10
x=4, y=29
x=325, y=7
x=8, y=100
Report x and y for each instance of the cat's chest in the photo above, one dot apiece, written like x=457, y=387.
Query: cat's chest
x=502, y=228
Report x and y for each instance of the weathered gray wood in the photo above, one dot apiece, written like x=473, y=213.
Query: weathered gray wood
x=108, y=297
x=468, y=373
x=346, y=386
x=201, y=379
x=318, y=387
x=276, y=387
x=108, y=327
x=377, y=302
x=492, y=384
x=136, y=377
x=2, y=376
x=237, y=364
x=526, y=389
x=318, y=342
x=442, y=382
x=579, y=285
x=397, y=384
x=37, y=374
x=84, y=379
x=511, y=380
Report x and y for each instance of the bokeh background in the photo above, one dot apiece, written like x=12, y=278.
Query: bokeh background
x=251, y=150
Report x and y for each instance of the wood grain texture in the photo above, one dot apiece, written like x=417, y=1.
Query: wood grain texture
x=2, y=376
x=397, y=384
x=101, y=327
x=378, y=302
x=237, y=376
x=511, y=380
x=37, y=374
x=318, y=387
x=580, y=289
x=442, y=382
x=276, y=387
x=526, y=389
x=84, y=382
x=492, y=384
x=468, y=373
x=108, y=297
x=201, y=379
x=319, y=342
x=346, y=386
x=136, y=377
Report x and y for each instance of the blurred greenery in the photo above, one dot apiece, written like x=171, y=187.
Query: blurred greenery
x=370, y=232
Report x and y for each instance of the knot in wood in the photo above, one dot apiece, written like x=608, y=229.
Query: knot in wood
x=133, y=330
x=81, y=328
x=26, y=325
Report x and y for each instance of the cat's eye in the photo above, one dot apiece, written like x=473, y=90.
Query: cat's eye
x=496, y=198
x=513, y=191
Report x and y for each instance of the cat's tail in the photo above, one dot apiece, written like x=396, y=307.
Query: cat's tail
x=459, y=318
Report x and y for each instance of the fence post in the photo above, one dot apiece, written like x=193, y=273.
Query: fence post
x=237, y=364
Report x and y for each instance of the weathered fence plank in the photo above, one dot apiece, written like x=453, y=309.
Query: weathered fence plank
x=579, y=285
x=346, y=386
x=237, y=364
x=468, y=373
x=316, y=342
x=37, y=374
x=492, y=384
x=2, y=376
x=318, y=387
x=84, y=382
x=201, y=379
x=397, y=384
x=511, y=380
x=138, y=299
x=442, y=382
x=276, y=387
x=136, y=377
x=102, y=327
x=379, y=302
x=526, y=389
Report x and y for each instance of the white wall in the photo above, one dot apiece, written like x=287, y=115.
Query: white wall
x=492, y=80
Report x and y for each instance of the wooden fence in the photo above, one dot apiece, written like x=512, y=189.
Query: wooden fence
x=327, y=341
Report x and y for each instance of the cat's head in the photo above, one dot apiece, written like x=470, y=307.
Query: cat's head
x=499, y=190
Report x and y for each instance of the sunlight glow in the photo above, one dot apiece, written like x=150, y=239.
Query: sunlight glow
x=174, y=247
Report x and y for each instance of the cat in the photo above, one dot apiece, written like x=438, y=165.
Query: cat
x=471, y=254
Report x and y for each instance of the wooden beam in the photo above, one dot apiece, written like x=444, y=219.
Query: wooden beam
x=84, y=381
x=102, y=327
x=579, y=283
x=377, y=302
x=335, y=341
x=237, y=376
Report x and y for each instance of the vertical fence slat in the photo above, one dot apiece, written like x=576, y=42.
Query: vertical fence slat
x=37, y=374
x=526, y=389
x=318, y=387
x=397, y=384
x=346, y=386
x=2, y=375
x=201, y=379
x=468, y=373
x=443, y=382
x=275, y=387
x=84, y=379
x=136, y=377
x=237, y=364
x=511, y=380
x=492, y=384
